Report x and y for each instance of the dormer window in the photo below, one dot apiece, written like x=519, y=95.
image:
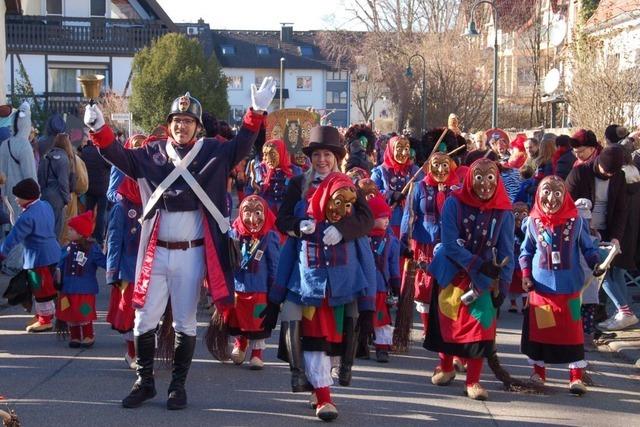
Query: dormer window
x=305, y=50
x=228, y=50
x=262, y=50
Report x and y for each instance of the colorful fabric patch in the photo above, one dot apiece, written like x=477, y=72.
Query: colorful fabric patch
x=85, y=309
x=308, y=312
x=449, y=301
x=483, y=310
x=259, y=308
x=34, y=279
x=338, y=316
x=544, y=316
x=574, y=308
x=64, y=304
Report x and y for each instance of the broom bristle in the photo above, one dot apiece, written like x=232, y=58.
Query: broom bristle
x=217, y=337
x=510, y=383
x=404, y=316
x=166, y=337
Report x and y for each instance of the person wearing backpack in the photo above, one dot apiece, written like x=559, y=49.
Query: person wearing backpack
x=54, y=173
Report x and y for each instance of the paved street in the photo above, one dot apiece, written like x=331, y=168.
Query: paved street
x=50, y=384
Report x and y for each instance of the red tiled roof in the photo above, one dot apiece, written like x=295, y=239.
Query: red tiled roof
x=610, y=9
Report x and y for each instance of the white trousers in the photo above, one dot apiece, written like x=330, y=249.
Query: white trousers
x=258, y=344
x=317, y=367
x=177, y=274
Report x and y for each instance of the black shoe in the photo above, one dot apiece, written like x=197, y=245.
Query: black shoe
x=382, y=356
x=184, y=348
x=177, y=399
x=144, y=387
x=139, y=394
x=292, y=351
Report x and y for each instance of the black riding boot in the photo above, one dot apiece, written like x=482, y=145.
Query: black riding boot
x=290, y=331
x=350, y=342
x=185, y=345
x=144, y=387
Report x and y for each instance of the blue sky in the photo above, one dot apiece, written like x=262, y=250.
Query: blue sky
x=261, y=14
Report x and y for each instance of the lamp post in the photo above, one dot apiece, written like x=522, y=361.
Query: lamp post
x=281, y=83
x=473, y=32
x=409, y=73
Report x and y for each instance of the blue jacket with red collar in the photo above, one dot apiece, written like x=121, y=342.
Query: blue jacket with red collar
x=468, y=236
x=551, y=256
x=123, y=238
x=258, y=268
x=388, y=181
x=426, y=223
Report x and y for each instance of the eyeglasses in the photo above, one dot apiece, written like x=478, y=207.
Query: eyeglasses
x=186, y=122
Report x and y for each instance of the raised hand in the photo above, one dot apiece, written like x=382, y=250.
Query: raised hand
x=262, y=97
x=93, y=117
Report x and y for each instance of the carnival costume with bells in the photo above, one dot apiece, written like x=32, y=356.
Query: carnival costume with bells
x=428, y=197
x=477, y=230
x=327, y=281
x=550, y=258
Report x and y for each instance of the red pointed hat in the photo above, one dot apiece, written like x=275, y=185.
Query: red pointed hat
x=379, y=207
x=83, y=223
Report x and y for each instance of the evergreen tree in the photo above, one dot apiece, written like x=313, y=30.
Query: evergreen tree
x=171, y=66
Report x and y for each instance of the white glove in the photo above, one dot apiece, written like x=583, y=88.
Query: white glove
x=307, y=226
x=331, y=236
x=261, y=98
x=93, y=117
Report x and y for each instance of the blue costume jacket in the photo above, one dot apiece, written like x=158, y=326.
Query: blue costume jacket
x=35, y=230
x=123, y=237
x=258, y=269
x=115, y=179
x=552, y=255
x=274, y=193
x=468, y=236
x=386, y=253
x=79, y=268
x=388, y=181
x=426, y=223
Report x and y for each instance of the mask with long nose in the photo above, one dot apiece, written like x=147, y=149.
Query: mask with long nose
x=340, y=204
x=485, y=179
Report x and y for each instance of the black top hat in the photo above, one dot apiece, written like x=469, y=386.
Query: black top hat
x=325, y=138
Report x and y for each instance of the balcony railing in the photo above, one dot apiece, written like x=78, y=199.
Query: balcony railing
x=53, y=102
x=49, y=34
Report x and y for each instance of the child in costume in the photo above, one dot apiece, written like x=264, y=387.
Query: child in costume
x=551, y=273
x=472, y=268
x=35, y=229
x=520, y=213
x=123, y=238
x=423, y=214
x=81, y=258
x=330, y=284
x=386, y=252
x=254, y=230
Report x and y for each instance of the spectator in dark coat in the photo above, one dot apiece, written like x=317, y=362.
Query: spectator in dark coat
x=563, y=158
x=55, y=125
x=603, y=182
x=98, y=170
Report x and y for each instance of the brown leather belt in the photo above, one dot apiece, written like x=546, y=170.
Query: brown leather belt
x=180, y=245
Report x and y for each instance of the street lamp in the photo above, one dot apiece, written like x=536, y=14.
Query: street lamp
x=473, y=32
x=281, y=83
x=409, y=73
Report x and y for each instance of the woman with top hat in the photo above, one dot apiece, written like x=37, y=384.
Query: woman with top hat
x=326, y=151
x=472, y=268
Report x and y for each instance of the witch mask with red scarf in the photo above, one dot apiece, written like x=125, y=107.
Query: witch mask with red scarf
x=483, y=187
x=275, y=156
x=554, y=205
x=333, y=199
x=441, y=175
x=396, y=155
x=255, y=219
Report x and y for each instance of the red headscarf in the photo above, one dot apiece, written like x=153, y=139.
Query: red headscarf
x=567, y=210
x=269, y=219
x=500, y=199
x=389, y=160
x=328, y=186
x=285, y=161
